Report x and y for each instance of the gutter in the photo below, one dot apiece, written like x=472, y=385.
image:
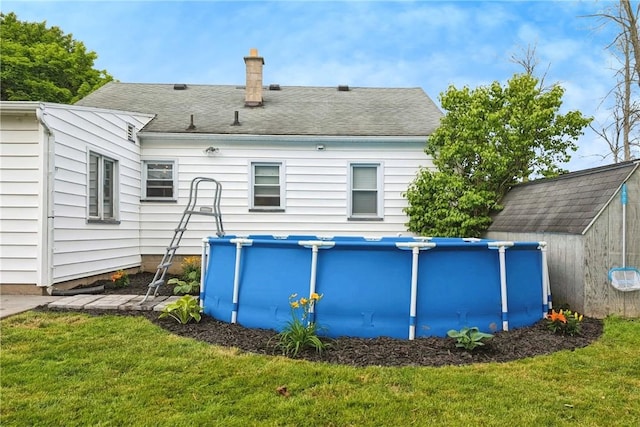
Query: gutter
x=48, y=174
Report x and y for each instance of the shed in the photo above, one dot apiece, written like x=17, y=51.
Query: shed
x=579, y=215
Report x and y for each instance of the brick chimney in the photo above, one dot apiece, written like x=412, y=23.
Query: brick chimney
x=253, y=91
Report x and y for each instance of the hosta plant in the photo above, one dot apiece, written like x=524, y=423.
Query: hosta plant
x=183, y=310
x=189, y=286
x=469, y=338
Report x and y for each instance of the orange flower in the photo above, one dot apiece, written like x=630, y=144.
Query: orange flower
x=557, y=316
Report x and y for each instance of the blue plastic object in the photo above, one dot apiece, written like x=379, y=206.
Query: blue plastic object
x=366, y=285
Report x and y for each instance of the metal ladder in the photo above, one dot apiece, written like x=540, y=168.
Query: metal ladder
x=191, y=209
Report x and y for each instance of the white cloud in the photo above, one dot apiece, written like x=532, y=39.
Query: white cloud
x=365, y=43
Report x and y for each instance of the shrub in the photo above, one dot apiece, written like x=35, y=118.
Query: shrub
x=120, y=279
x=468, y=338
x=183, y=310
x=191, y=268
x=189, y=281
x=301, y=332
x=564, y=322
x=185, y=287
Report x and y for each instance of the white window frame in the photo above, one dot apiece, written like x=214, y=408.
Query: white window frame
x=100, y=215
x=379, y=214
x=281, y=183
x=174, y=171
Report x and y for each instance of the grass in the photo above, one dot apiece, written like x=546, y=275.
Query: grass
x=75, y=370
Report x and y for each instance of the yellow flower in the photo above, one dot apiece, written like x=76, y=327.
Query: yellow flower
x=304, y=301
x=295, y=304
x=315, y=296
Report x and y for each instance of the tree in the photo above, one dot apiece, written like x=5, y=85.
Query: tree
x=621, y=134
x=44, y=64
x=490, y=138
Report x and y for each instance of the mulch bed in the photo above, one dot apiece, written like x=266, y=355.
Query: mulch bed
x=506, y=346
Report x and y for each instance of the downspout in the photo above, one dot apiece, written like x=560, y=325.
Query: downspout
x=49, y=176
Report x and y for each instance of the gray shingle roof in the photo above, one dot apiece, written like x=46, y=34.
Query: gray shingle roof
x=293, y=110
x=565, y=204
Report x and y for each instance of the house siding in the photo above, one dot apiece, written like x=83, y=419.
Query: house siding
x=81, y=248
x=316, y=185
x=22, y=234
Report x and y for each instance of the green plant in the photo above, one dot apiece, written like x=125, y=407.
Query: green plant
x=239, y=388
x=469, y=338
x=120, y=279
x=490, y=138
x=183, y=310
x=191, y=268
x=189, y=286
x=301, y=331
x=564, y=322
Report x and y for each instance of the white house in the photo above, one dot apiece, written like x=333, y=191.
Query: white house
x=291, y=160
x=69, y=192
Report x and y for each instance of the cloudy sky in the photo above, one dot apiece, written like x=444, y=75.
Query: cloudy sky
x=427, y=44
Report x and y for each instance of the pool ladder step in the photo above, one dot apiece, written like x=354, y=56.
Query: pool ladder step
x=170, y=252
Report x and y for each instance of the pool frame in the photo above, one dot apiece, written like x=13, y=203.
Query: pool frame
x=400, y=287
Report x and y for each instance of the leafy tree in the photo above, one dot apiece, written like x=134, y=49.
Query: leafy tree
x=44, y=64
x=490, y=138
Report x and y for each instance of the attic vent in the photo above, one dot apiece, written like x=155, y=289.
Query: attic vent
x=343, y=88
x=131, y=129
x=179, y=86
x=274, y=87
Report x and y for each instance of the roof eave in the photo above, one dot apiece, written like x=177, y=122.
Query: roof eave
x=279, y=138
x=615, y=193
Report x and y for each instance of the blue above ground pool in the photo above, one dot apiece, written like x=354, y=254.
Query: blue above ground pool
x=399, y=287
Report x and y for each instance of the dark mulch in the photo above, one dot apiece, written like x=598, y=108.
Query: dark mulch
x=503, y=347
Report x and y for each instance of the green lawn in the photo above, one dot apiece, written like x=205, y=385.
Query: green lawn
x=70, y=369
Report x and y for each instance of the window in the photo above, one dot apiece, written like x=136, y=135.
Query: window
x=159, y=180
x=366, y=191
x=103, y=173
x=267, y=189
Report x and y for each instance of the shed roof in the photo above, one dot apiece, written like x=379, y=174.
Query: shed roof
x=291, y=110
x=568, y=203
